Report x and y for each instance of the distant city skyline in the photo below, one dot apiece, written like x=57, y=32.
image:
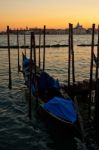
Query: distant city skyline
x=77, y=26
x=78, y=29
x=52, y=13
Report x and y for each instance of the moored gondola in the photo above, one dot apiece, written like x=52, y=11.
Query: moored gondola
x=56, y=109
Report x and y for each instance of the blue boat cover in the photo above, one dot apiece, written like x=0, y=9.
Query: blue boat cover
x=63, y=108
x=96, y=60
x=26, y=62
x=46, y=82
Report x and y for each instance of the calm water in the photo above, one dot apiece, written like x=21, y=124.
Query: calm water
x=16, y=131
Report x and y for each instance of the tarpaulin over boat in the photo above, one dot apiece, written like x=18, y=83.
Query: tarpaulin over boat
x=46, y=82
x=96, y=60
x=63, y=108
x=26, y=62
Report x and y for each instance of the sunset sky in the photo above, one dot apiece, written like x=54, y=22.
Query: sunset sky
x=52, y=13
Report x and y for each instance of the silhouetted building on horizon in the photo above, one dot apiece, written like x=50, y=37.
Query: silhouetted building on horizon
x=78, y=29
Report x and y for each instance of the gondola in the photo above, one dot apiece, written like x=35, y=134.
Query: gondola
x=55, y=108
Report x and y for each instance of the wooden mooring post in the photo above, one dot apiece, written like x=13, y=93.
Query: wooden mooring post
x=34, y=52
x=32, y=75
x=96, y=118
x=39, y=48
x=91, y=70
x=9, y=58
x=18, y=51
x=44, y=48
x=72, y=53
x=30, y=82
x=35, y=71
x=97, y=64
x=69, y=57
x=71, y=66
x=24, y=43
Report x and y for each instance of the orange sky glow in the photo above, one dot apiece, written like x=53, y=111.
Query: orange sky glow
x=52, y=13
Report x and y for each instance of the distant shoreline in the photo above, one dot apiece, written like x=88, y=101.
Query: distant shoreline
x=47, y=46
x=37, y=46
x=4, y=33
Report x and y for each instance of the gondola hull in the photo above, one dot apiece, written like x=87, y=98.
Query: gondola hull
x=57, y=126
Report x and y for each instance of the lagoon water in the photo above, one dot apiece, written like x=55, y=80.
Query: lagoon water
x=17, y=132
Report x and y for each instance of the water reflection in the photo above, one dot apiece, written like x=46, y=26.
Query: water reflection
x=16, y=131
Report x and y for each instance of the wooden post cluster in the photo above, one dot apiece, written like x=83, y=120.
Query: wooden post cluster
x=96, y=59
